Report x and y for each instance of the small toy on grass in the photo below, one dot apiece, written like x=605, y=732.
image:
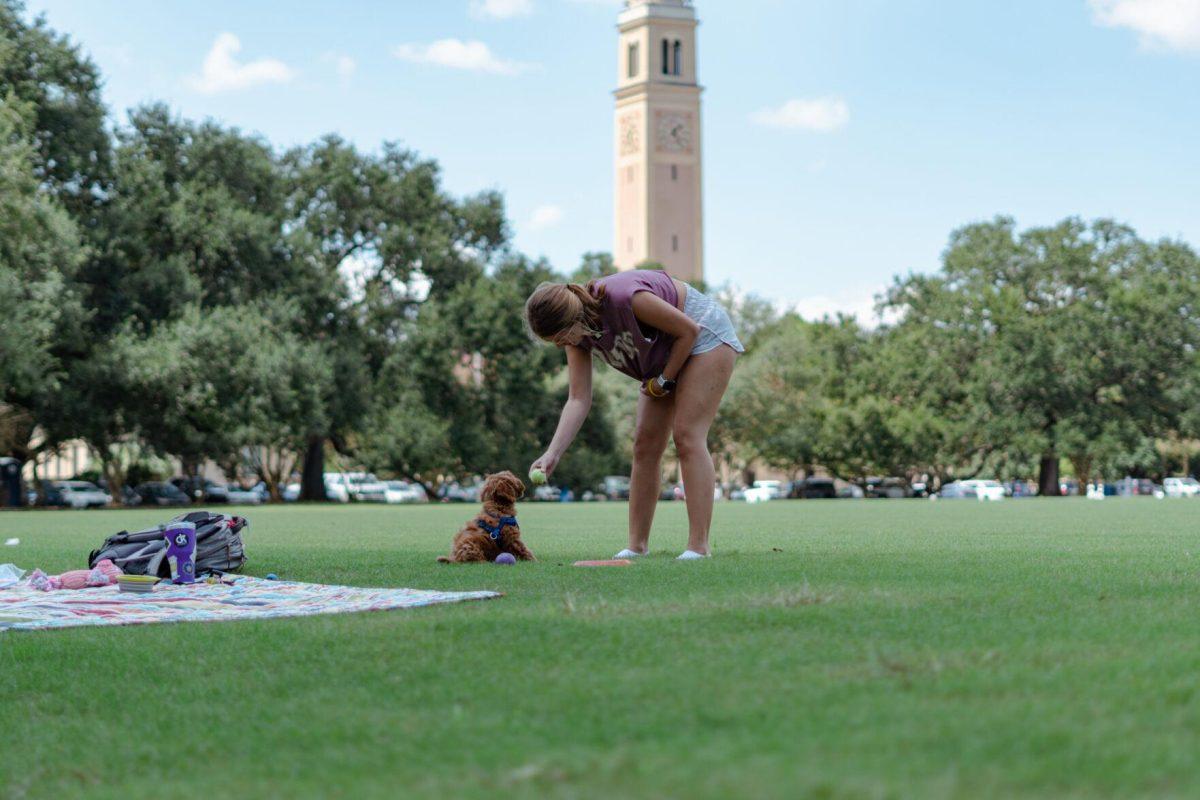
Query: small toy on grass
x=537, y=477
x=506, y=558
x=612, y=562
x=271, y=576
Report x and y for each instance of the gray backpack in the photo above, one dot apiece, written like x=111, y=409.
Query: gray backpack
x=219, y=546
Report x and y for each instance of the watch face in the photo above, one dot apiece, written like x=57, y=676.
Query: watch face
x=674, y=131
x=630, y=135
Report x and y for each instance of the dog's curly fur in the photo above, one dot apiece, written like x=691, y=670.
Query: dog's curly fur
x=473, y=543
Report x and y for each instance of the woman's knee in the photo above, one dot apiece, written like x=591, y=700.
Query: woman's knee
x=690, y=440
x=648, y=446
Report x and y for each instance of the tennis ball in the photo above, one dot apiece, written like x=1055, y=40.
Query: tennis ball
x=506, y=558
x=537, y=476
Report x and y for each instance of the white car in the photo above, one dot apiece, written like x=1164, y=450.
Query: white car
x=759, y=494
x=1181, y=487
x=985, y=490
x=366, y=488
x=404, y=492
x=775, y=488
x=243, y=497
x=83, y=494
x=337, y=487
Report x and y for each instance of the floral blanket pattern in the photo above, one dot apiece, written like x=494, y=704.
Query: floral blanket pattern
x=25, y=608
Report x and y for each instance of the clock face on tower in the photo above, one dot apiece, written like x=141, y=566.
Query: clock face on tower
x=674, y=131
x=631, y=135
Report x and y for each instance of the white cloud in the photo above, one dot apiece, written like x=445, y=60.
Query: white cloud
x=821, y=114
x=546, y=217
x=501, y=9
x=221, y=71
x=343, y=64
x=1171, y=24
x=457, y=54
x=860, y=305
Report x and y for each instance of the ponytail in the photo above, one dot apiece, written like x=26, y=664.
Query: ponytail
x=557, y=307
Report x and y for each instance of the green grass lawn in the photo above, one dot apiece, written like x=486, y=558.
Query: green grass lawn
x=831, y=649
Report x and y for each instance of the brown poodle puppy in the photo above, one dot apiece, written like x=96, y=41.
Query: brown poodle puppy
x=495, y=531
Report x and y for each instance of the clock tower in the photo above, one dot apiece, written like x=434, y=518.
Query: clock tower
x=659, y=210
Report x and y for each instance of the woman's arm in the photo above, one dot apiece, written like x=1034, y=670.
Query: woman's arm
x=658, y=313
x=575, y=411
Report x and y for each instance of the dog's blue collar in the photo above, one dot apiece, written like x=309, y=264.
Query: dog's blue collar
x=494, y=531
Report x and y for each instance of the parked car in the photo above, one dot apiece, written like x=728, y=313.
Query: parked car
x=366, y=488
x=759, y=493
x=457, y=493
x=890, y=488
x=851, y=491
x=81, y=494
x=986, y=489
x=241, y=496
x=201, y=490
x=159, y=493
x=958, y=490
x=776, y=488
x=1138, y=487
x=50, y=496
x=614, y=487
x=337, y=487
x=129, y=497
x=398, y=492
x=290, y=493
x=813, y=489
x=1181, y=487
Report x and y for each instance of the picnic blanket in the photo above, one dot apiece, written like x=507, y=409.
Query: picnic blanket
x=27, y=609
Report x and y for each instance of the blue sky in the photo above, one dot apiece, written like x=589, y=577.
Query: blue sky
x=843, y=140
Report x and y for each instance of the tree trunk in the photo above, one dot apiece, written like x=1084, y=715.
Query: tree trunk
x=19, y=500
x=114, y=476
x=312, y=480
x=1048, y=484
x=1083, y=471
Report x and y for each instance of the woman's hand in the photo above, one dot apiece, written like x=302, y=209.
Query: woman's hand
x=546, y=463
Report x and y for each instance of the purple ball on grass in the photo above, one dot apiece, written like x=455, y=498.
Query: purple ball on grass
x=506, y=558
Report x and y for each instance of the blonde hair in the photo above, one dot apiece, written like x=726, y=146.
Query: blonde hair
x=555, y=308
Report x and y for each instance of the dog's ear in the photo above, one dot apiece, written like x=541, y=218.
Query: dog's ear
x=514, y=485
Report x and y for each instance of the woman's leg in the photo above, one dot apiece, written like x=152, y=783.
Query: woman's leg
x=702, y=384
x=649, y=441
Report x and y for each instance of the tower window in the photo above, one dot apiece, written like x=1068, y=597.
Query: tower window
x=634, y=57
x=674, y=243
x=674, y=172
x=666, y=57
x=677, y=67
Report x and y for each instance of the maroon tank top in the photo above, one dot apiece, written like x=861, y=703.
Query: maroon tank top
x=629, y=346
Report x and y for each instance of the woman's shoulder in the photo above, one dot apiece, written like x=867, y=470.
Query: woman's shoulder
x=623, y=285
